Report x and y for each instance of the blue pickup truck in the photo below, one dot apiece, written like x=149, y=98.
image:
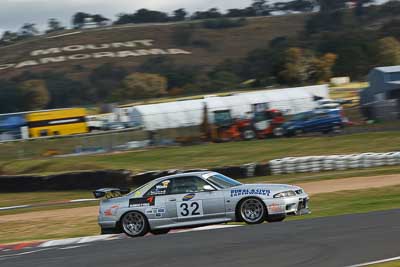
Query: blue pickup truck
x=324, y=121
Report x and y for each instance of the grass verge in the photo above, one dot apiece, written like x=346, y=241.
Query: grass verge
x=211, y=155
x=388, y=264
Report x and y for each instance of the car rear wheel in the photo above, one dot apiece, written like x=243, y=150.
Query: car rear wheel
x=159, y=231
x=252, y=211
x=135, y=224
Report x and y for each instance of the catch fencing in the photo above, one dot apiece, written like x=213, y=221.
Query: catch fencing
x=189, y=132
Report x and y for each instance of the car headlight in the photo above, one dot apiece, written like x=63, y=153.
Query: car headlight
x=285, y=194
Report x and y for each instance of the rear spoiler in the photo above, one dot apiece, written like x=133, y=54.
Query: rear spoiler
x=110, y=192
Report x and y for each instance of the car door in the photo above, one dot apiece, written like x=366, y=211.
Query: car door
x=193, y=202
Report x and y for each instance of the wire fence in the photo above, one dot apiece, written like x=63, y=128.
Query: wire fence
x=187, y=126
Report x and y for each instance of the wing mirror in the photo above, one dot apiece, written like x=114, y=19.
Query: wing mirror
x=208, y=187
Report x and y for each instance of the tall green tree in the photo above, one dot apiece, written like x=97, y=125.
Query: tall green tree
x=54, y=25
x=389, y=51
x=35, y=94
x=143, y=85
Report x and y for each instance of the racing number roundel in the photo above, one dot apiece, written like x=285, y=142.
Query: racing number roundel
x=190, y=208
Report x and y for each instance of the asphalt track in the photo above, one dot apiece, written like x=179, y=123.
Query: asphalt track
x=332, y=241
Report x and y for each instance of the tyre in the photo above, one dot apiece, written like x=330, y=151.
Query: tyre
x=275, y=218
x=134, y=224
x=298, y=132
x=336, y=129
x=248, y=134
x=278, y=132
x=159, y=231
x=252, y=211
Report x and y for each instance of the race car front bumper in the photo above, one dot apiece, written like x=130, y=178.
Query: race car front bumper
x=289, y=206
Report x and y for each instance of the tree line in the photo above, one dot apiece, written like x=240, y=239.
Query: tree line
x=257, y=8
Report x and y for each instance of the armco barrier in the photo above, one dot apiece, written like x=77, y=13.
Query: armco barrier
x=86, y=180
x=90, y=180
x=333, y=162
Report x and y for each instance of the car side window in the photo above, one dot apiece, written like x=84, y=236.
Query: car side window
x=186, y=184
x=159, y=189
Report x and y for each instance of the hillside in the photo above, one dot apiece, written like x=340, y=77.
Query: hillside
x=210, y=46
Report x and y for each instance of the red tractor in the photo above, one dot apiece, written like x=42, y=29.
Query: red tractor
x=261, y=125
x=226, y=128
x=268, y=123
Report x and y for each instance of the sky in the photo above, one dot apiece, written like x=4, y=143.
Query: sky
x=14, y=13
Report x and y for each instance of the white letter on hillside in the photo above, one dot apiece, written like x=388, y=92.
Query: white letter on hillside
x=6, y=66
x=102, y=46
x=72, y=48
x=79, y=56
x=124, y=44
x=176, y=51
x=27, y=63
x=145, y=42
x=52, y=59
x=127, y=54
x=104, y=54
x=46, y=51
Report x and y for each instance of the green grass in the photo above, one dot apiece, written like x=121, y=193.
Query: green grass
x=353, y=201
x=211, y=155
x=16, y=199
x=388, y=264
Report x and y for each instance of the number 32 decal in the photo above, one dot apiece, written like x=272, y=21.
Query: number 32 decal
x=190, y=208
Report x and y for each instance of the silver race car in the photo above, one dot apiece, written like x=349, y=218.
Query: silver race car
x=193, y=199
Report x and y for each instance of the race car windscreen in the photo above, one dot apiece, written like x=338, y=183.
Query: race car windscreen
x=222, y=181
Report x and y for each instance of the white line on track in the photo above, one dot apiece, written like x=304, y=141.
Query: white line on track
x=375, y=262
x=15, y=207
x=72, y=247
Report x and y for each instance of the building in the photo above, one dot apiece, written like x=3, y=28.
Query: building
x=191, y=112
x=380, y=99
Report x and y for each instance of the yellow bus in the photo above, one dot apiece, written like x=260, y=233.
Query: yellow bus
x=57, y=122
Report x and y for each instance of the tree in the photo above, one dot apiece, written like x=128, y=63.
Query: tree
x=28, y=30
x=99, y=19
x=261, y=7
x=359, y=10
x=389, y=51
x=321, y=68
x=9, y=37
x=143, y=85
x=296, y=5
x=79, y=19
x=10, y=97
x=223, y=80
x=327, y=6
x=147, y=16
x=296, y=67
x=35, y=94
x=179, y=15
x=212, y=13
x=54, y=25
x=105, y=79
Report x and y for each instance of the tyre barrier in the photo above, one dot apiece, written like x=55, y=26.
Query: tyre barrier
x=333, y=162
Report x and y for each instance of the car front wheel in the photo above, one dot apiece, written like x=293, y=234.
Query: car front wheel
x=252, y=211
x=135, y=224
